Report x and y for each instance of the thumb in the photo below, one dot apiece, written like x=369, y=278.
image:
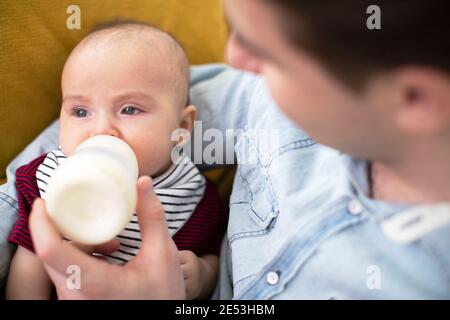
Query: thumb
x=151, y=216
x=43, y=233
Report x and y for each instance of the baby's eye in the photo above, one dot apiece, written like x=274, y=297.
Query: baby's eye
x=80, y=112
x=130, y=110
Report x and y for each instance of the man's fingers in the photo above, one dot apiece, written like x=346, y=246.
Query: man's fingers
x=151, y=216
x=83, y=247
x=104, y=248
x=157, y=259
x=50, y=247
x=43, y=232
x=108, y=247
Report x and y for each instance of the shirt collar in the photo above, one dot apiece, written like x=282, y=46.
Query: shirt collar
x=358, y=175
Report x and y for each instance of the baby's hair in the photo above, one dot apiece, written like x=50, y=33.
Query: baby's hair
x=125, y=29
x=116, y=23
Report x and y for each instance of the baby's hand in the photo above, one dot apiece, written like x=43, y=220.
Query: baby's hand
x=192, y=268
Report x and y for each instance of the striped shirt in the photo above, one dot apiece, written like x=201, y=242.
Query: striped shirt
x=191, y=203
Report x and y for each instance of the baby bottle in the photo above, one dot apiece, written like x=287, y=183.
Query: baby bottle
x=92, y=195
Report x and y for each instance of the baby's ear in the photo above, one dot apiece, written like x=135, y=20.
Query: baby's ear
x=188, y=117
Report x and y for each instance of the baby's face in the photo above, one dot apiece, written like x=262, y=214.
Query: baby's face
x=124, y=93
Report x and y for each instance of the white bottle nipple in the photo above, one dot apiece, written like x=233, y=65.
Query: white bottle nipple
x=92, y=195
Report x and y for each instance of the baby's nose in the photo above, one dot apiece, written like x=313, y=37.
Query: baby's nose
x=113, y=133
x=104, y=127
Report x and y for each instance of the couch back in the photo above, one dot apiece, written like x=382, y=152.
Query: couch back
x=37, y=36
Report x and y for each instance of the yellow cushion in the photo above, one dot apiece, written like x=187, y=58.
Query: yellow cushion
x=35, y=41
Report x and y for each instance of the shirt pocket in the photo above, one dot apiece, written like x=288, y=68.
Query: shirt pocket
x=252, y=203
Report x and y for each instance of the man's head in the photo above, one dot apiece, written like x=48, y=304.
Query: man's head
x=373, y=93
x=129, y=80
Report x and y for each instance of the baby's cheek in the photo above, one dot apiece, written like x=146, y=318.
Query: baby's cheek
x=67, y=144
x=154, y=157
x=71, y=143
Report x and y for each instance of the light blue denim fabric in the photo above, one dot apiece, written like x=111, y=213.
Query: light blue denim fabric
x=44, y=143
x=301, y=224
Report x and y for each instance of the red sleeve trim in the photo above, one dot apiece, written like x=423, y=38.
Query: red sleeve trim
x=27, y=192
x=204, y=231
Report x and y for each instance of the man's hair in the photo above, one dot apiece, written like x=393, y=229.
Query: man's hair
x=132, y=30
x=413, y=32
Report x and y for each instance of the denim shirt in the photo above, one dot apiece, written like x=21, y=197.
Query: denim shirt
x=301, y=225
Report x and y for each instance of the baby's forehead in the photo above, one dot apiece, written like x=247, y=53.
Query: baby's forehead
x=134, y=37
x=151, y=46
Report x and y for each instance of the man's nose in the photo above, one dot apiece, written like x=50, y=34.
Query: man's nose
x=105, y=126
x=240, y=58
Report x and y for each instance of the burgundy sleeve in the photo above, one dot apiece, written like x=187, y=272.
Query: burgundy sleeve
x=27, y=192
x=204, y=230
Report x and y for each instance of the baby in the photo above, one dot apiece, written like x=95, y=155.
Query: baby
x=128, y=80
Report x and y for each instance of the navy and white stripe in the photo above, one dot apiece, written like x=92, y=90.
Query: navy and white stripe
x=179, y=189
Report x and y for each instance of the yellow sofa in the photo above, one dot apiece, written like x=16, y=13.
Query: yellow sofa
x=37, y=36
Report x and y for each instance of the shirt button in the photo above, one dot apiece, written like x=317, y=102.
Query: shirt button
x=355, y=207
x=272, y=278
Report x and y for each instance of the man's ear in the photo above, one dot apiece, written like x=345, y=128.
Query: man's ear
x=422, y=101
x=188, y=117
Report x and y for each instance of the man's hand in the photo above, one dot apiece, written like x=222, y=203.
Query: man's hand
x=104, y=249
x=154, y=273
